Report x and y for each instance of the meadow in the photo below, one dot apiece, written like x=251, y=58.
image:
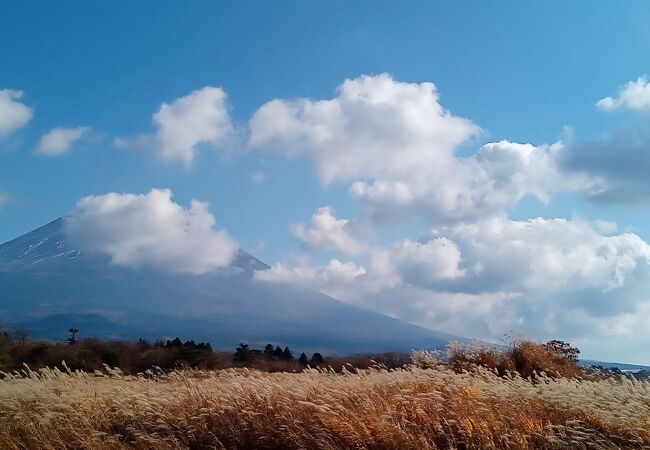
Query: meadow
x=425, y=405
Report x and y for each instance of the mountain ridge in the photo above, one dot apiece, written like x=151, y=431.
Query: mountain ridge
x=46, y=282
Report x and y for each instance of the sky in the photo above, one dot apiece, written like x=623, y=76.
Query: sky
x=478, y=168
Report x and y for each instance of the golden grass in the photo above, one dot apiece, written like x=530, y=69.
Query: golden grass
x=411, y=408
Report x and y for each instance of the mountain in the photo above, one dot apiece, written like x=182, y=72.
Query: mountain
x=48, y=287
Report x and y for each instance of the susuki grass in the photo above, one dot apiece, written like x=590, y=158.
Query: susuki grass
x=419, y=407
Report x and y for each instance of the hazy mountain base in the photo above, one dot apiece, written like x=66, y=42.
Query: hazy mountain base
x=49, y=286
x=411, y=408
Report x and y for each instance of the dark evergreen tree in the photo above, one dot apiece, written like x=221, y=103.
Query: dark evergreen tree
x=242, y=353
x=268, y=350
x=303, y=359
x=176, y=342
x=204, y=346
x=317, y=358
x=286, y=354
x=277, y=352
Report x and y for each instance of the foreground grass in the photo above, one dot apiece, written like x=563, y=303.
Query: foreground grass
x=411, y=408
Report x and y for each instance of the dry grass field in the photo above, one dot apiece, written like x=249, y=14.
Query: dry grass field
x=423, y=406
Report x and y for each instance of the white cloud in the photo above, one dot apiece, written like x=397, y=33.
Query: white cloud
x=326, y=232
x=428, y=262
x=333, y=279
x=375, y=127
x=13, y=113
x=479, y=273
x=634, y=95
x=397, y=146
x=545, y=255
x=494, y=179
x=199, y=118
x=150, y=230
x=59, y=140
x=400, y=266
x=552, y=278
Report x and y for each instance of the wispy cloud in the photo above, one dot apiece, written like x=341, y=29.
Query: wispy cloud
x=59, y=141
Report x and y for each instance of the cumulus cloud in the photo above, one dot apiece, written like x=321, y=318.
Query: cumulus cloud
x=634, y=95
x=488, y=183
x=60, y=140
x=428, y=262
x=404, y=264
x=13, y=113
x=375, y=127
x=503, y=255
x=333, y=278
x=396, y=145
x=550, y=277
x=150, y=230
x=544, y=255
x=326, y=232
x=199, y=118
x=479, y=273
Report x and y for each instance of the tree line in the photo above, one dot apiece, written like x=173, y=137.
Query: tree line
x=244, y=353
x=90, y=354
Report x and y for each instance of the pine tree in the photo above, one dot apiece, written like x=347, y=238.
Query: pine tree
x=286, y=354
x=303, y=359
x=242, y=352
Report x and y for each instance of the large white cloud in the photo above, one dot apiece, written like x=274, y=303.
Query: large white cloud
x=150, y=230
x=634, y=95
x=428, y=262
x=564, y=278
x=545, y=255
x=375, y=127
x=13, y=113
x=479, y=273
x=326, y=232
x=398, y=146
x=59, y=140
x=488, y=183
x=199, y=118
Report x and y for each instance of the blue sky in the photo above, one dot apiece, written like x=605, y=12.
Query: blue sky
x=525, y=73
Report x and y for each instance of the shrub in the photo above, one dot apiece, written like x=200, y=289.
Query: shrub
x=529, y=359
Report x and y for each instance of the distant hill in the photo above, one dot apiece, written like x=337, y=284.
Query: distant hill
x=48, y=286
x=611, y=365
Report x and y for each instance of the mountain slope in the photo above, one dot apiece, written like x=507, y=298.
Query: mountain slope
x=49, y=286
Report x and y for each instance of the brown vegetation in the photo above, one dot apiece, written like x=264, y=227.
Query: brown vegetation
x=556, y=359
x=136, y=357
x=524, y=396
x=410, y=408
